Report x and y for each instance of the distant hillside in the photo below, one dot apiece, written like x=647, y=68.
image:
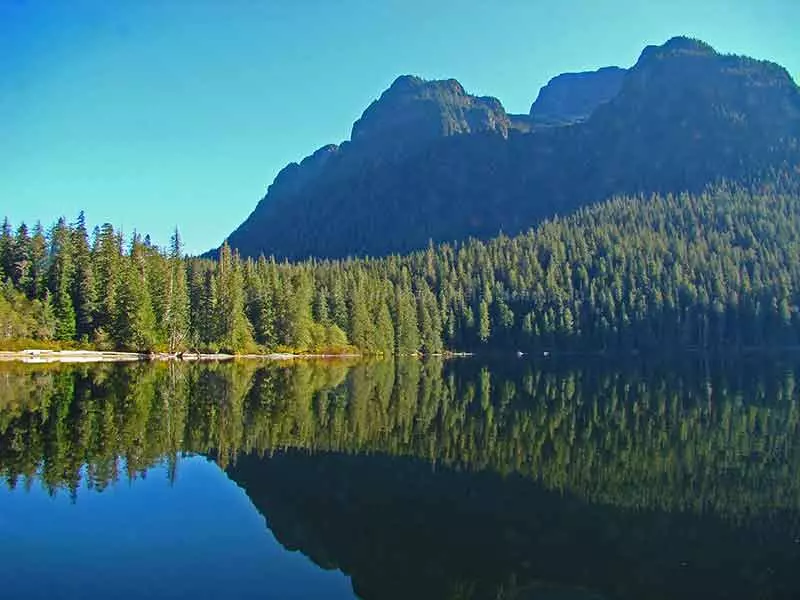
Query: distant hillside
x=429, y=161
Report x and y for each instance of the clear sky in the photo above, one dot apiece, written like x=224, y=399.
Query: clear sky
x=151, y=113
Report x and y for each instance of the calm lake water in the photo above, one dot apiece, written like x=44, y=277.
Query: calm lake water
x=514, y=479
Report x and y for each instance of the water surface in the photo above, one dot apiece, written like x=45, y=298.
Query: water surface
x=547, y=480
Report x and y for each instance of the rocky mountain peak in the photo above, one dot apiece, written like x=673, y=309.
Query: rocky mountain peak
x=685, y=83
x=678, y=45
x=413, y=110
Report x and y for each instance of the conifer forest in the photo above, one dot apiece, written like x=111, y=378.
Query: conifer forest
x=712, y=270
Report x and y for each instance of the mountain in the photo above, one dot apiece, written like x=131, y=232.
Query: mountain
x=429, y=161
x=409, y=117
x=413, y=112
x=573, y=97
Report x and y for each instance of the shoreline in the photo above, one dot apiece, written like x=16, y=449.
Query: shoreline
x=95, y=356
x=42, y=356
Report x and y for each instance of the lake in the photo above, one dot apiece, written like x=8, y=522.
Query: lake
x=517, y=478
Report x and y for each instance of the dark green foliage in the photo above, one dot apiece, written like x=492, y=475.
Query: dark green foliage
x=405, y=319
x=716, y=270
x=233, y=329
x=83, y=288
x=176, y=313
x=22, y=318
x=60, y=280
x=362, y=326
x=299, y=319
x=37, y=269
x=134, y=320
x=107, y=262
x=20, y=263
x=484, y=329
x=6, y=249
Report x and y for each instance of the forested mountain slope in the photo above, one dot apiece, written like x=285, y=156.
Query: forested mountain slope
x=717, y=269
x=427, y=161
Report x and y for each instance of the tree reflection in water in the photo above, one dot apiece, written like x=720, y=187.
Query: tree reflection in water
x=458, y=479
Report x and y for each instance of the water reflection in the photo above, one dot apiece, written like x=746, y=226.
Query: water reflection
x=197, y=536
x=457, y=479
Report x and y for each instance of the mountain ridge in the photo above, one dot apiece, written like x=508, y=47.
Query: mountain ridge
x=427, y=160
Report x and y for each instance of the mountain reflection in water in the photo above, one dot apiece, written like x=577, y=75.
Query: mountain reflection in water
x=581, y=480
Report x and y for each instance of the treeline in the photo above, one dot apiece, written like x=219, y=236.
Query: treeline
x=714, y=270
x=639, y=438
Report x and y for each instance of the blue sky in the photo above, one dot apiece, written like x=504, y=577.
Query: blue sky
x=151, y=114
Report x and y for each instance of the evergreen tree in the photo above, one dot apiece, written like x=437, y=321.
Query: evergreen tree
x=338, y=312
x=429, y=319
x=82, y=289
x=176, y=315
x=21, y=259
x=108, y=270
x=482, y=319
x=60, y=280
x=362, y=328
x=37, y=274
x=234, y=329
x=406, y=330
x=384, y=328
x=209, y=324
x=135, y=322
x=299, y=317
x=6, y=251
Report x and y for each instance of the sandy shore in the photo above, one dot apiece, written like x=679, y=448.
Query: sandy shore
x=89, y=356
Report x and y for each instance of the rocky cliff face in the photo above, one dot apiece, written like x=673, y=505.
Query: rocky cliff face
x=573, y=97
x=429, y=161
